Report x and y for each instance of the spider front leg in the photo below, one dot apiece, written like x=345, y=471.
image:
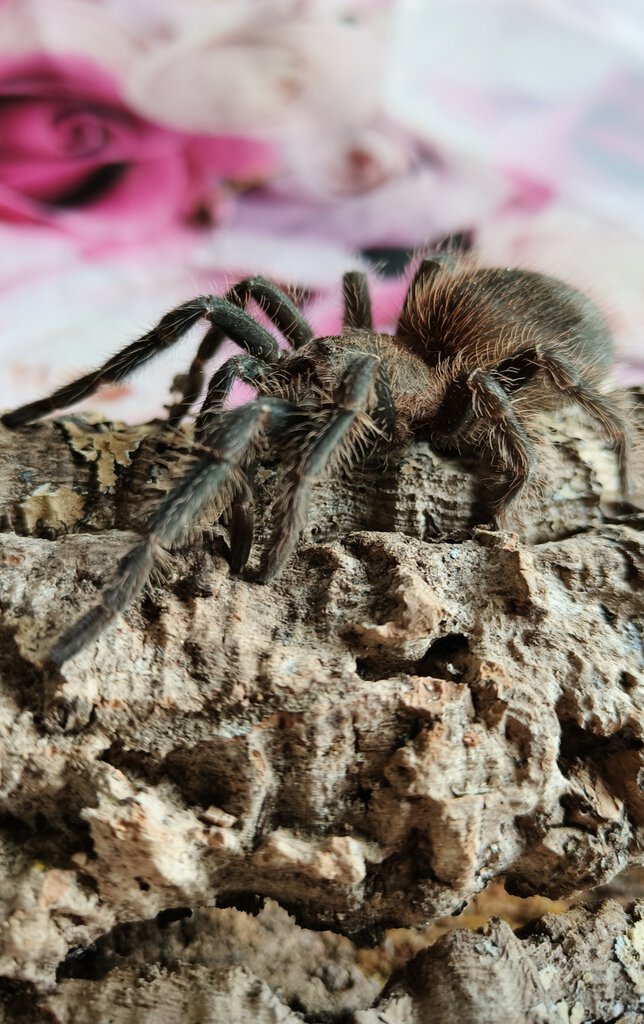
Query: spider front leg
x=251, y=371
x=247, y=369
x=507, y=439
x=230, y=320
x=279, y=308
x=329, y=437
x=233, y=443
x=258, y=374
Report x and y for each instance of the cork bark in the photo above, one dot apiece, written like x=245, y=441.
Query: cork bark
x=420, y=704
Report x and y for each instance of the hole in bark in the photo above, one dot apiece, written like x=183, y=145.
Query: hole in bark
x=19, y=999
x=384, y=665
x=609, y=616
x=131, y=762
x=150, y=610
x=446, y=658
x=123, y=944
x=370, y=668
x=627, y=679
x=248, y=902
x=214, y=773
x=586, y=755
x=296, y=1004
x=172, y=914
x=577, y=744
x=49, y=829
x=19, y=831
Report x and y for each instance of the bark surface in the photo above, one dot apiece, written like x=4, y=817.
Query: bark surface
x=421, y=703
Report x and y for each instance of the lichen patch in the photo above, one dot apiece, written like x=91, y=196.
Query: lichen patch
x=106, y=447
x=59, y=508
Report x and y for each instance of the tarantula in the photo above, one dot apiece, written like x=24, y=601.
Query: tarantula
x=475, y=355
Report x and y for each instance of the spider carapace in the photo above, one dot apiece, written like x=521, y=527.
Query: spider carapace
x=477, y=353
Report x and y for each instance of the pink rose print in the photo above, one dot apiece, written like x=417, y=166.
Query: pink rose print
x=73, y=155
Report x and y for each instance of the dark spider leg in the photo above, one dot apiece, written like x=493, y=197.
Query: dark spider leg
x=233, y=443
x=277, y=305
x=230, y=321
x=407, y=321
x=244, y=368
x=457, y=242
x=280, y=310
x=357, y=302
x=508, y=439
x=241, y=526
x=251, y=371
x=479, y=396
x=352, y=398
x=567, y=380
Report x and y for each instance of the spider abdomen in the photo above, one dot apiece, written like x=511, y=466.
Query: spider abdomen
x=479, y=317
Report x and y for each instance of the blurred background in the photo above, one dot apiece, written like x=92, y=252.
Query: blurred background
x=152, y=150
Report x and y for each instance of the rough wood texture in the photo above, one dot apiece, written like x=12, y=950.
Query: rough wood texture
x=565, y=969
x=225, y=965
x=419, y=705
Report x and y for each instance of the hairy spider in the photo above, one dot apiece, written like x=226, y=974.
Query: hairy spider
x=475, y=355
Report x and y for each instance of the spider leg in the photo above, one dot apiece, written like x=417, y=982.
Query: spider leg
x=570, y=383
x=407, y=322
x=479, y=396
x=328, y=439
x=251, y=371
x=231, y=321
x=279, y=308
x=277, y=305
x=242, y=525
x=244, y=368
x=254, y=372
x=357, y=302
x=233, y=443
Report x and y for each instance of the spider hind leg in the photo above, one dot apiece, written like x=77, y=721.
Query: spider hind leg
x=601, y=408
x=478, y=396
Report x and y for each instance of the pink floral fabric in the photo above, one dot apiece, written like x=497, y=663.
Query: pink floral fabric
x=151, y=150
x=74, y=155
